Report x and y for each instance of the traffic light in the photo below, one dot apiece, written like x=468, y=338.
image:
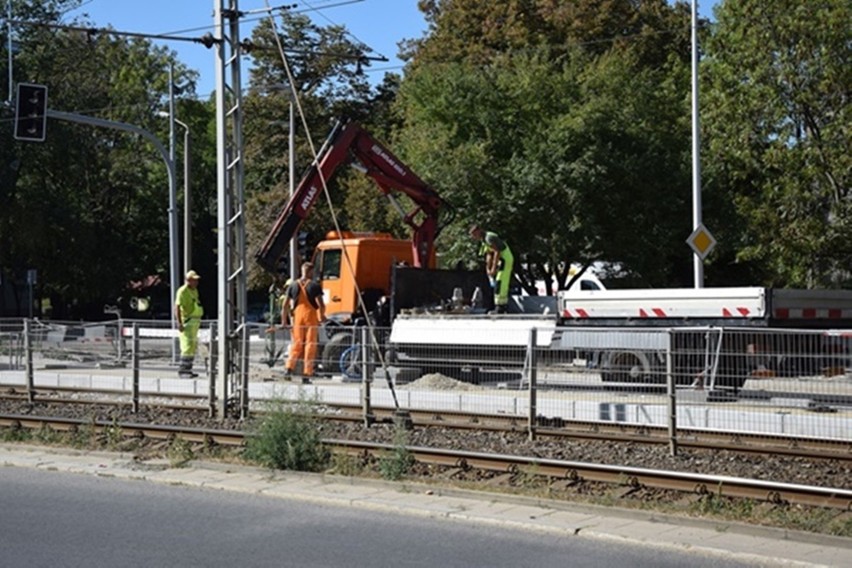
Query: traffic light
x=31, y=112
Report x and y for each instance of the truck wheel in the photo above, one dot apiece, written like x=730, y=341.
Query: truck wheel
x=333, y=349
x=350, y=362
x=624, y=367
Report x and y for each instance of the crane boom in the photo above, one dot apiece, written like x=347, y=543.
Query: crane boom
x=349, y=141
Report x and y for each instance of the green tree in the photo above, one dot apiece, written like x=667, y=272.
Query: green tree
x=564, y=129
x=776, y=116
x=88, y=207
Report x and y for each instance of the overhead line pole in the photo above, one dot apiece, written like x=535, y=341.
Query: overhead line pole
x=232, y=338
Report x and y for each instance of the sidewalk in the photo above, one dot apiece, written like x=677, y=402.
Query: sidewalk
x=763, y=546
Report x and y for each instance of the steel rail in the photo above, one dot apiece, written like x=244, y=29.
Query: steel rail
x=570, y=472
x=153, y=431
x=565, y=429
x=577, y=472
x=11, y=390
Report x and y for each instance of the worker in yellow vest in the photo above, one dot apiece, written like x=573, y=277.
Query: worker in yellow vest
x=188, y=314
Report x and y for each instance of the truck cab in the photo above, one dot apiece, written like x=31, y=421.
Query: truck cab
x=372, y=257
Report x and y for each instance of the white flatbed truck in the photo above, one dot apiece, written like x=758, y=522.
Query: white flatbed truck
x=724, y=334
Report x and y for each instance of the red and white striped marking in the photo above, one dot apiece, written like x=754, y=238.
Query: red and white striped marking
x=652, y=312
x=740, y=313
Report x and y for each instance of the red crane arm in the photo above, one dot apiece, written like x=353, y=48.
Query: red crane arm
x=349, y=141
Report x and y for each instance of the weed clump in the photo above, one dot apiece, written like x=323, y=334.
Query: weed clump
x=397, y=463
x=288, y=437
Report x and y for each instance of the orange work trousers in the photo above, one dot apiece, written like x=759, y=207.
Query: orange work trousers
x=305, y=336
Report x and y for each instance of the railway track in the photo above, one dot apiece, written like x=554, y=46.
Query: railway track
x=559, y=473
x=807, y=448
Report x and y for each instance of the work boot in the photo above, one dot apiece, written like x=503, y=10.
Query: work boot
x=185, y=369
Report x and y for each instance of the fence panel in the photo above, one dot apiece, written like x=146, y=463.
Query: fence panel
x=778, y=382
x=772, y=382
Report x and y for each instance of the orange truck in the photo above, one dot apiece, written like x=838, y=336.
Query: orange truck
x=372, y=257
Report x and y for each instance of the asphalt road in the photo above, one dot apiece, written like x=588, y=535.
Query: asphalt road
x=53, y=518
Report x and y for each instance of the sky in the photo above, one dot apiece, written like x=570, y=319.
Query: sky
x=381, y=24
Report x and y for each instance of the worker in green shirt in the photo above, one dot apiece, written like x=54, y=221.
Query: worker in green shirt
x=498, y=264
x=188, y=313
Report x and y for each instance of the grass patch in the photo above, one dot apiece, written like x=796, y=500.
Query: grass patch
x=179, y=452
x=399, y=461
x=16, y=434
x=288, y=437
x=350, y=466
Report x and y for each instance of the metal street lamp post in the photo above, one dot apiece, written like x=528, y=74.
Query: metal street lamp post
x=291, y=158
x=174, y=261
x=187, y=194
x=698, y=262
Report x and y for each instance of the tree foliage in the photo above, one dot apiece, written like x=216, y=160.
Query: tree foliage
x=777, y=119
x=88, y=207
x=558, y=127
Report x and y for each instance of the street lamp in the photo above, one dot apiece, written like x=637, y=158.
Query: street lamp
x=187, y=194
x=291, y=145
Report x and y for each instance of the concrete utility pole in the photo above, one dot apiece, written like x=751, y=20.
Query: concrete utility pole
x=187, y=197
x=232, y=338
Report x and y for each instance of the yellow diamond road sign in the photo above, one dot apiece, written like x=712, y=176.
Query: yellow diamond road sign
x=701, y=241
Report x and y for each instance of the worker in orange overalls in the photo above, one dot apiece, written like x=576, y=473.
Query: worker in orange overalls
x=304, y=299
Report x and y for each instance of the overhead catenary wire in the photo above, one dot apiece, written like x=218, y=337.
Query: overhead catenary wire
x=294, y=93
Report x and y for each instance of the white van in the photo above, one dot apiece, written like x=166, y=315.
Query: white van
x=588, y=281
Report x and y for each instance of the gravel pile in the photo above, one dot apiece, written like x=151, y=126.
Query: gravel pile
x=437, y=381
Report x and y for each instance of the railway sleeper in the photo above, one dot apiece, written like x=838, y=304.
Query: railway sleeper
x=502, y=479
x=630, y=490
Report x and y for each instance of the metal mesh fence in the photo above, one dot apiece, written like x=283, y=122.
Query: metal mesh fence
x=774, y=382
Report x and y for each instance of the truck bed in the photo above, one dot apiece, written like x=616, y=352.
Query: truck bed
x=506, y=330
x=732, y=306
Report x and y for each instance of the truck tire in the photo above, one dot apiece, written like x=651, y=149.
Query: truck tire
x=625, y=367
x=350, y=362
x=333, y=349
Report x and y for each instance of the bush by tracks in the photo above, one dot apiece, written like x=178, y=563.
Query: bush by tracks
x=288, y=437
